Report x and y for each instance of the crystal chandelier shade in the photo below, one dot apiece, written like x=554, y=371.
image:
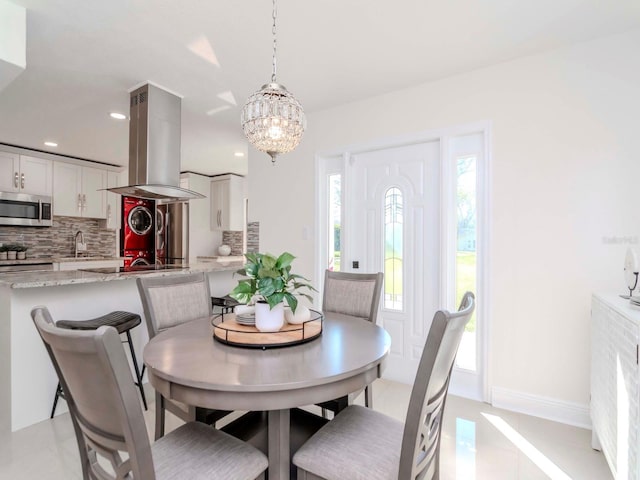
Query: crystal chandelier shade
x=272, y=119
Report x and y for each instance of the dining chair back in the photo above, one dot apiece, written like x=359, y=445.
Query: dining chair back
x=44, y=317
x=173, y=300
x=354, y=294
x=361, y=443
x=420, y=454
x=94, y=372
x=167, y=302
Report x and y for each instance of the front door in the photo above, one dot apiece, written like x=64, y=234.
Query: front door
x=393, y=226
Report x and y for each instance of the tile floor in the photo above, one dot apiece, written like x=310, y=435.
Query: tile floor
x=479, y=443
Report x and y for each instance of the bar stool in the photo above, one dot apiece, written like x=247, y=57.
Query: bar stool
x=226, y=303
x=123, y=322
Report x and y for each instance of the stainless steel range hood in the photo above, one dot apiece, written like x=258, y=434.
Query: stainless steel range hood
x=154, y=147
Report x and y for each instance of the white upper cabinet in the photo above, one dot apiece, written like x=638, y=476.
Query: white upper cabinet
x=25, y=174
x=113, y=201
x=79, y=191
x=227, y=202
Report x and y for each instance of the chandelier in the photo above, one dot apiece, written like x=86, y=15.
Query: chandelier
x=272, y=119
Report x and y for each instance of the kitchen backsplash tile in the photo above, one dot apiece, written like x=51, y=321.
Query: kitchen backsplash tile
x=233, y=238
x=59, y=239
x=253, y=237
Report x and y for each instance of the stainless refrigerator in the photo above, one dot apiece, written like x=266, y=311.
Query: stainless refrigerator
x=172, y=233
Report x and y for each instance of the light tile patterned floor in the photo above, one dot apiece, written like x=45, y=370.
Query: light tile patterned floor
x=479, y=443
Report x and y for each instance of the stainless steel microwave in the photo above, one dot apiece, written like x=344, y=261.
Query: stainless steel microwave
x=24, y=209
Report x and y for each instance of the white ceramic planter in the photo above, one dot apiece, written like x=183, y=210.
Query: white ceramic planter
x=269, y=320
x=11, y=255
x=302, y=315
x=22, y=255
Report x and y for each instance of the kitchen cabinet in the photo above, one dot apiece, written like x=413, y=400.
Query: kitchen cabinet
x=227, y=202
x=25, y=174
x=78, y=191
x=113, y=201
x=615, y=383
x=87, y=262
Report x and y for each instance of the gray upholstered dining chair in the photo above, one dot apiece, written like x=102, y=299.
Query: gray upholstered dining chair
x=356, y=295
x=104, y=404
x=360, y=443
x=167, y=302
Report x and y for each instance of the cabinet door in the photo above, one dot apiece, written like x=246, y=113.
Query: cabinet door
x=9, y=172
x=113, y=201
x=220, y=204
x=67, y=184
x=94, y=197
x=36, y=175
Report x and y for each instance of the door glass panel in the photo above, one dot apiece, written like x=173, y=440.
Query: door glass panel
x=466, y=266
x=393, y=249
x=335, y=222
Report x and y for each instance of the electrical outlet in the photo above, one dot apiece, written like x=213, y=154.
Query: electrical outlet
x=355, y=264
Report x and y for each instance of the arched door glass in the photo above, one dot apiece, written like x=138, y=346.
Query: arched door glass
x=393, y=250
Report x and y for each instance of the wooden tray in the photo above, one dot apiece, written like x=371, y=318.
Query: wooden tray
x=227, y=330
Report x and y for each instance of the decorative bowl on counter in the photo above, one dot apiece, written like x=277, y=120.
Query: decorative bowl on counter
x=224, y=250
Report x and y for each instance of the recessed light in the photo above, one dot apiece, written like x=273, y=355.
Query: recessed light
x=117, y=116
x=239, y=154
x=51, y=144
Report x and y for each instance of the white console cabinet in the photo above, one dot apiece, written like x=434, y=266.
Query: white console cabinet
x=615, y=383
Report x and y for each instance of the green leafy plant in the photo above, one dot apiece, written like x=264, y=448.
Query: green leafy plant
x=4, y=248
x=20, y=248
x=270, y=279
x=12, y=247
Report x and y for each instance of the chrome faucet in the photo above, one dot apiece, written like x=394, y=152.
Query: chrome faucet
x=79, y=241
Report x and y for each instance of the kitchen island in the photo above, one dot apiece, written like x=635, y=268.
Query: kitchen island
x=28, y=378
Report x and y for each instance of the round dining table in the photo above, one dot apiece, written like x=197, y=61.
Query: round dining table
x=186, y=364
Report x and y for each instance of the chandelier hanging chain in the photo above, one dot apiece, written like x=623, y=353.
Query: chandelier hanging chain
x=272, y=118
x=273, y=30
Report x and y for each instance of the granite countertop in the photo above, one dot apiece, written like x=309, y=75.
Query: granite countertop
x=39, y=279
x=35, y=261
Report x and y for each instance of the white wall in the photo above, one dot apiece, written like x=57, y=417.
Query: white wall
x=202, y=241
x=565, y=174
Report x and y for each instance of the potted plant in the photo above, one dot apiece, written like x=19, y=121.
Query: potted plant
x=269, y=284
x=3, y=252
x=21, y=251
x=12, y=251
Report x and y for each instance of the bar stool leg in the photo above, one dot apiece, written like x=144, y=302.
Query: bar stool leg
x=137, y=370
x=55, y=400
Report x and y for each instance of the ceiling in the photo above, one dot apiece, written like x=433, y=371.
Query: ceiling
x=84, y=56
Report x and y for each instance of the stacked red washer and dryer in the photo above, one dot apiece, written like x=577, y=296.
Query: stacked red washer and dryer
x=138, y=236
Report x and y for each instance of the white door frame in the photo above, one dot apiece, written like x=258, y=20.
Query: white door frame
x=483, y=308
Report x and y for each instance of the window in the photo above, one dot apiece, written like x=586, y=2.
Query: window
x=335, y=214
x=393, y=249
x=466, y=262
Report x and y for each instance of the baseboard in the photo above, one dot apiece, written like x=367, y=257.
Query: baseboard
x=570, y=413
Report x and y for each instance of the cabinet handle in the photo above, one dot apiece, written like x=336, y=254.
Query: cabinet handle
x=109, y=215
x=220, y=218
x=15, y=180
x=22, y=181
x=84, y=200
x=79, y=203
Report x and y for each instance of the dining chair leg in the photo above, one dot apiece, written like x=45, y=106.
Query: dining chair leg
x=368, y=396
x=159, y=416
